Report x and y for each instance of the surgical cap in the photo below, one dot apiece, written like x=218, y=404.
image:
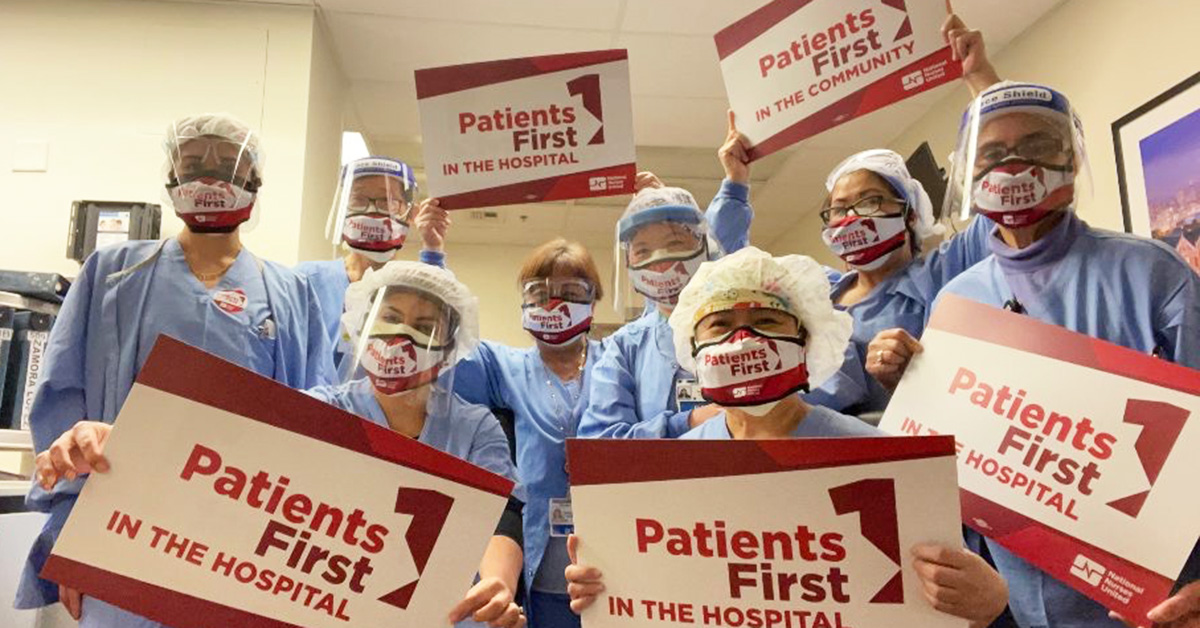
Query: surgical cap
x=891, y=167
x=663, y=204
x=437, y=282
x=752, y=278
x=221, y=125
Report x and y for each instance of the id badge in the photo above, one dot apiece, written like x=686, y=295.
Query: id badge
x=562, y=522
x=687, y=395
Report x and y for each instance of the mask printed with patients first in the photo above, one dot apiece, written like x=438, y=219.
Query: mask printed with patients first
x=211, y=202
x=751, y=369
x=1019, y=193
x=400, y=358
x=376, y=236
x=556, y=322
x=662, y=277
x=866, y=243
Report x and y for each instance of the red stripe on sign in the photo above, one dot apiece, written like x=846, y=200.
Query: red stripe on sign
x=964, y=317
x=733, y=37
x=1078, y=564
x=154, y=602
x=179, y=369
x=456, y=78
x=879, y=94
x=618, y=461
x=577, y=185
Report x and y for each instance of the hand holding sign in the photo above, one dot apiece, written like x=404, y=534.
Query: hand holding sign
x=583, y=583
x=75, y=452
x=961, y=583
x=888, y=355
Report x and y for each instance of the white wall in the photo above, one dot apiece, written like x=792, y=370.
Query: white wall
x=322, y=163
x=100, y=80
x=1107, y=56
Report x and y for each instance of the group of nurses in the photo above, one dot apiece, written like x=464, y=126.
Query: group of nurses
x=202, y=287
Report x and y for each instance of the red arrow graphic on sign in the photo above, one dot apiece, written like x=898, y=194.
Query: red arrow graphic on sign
x=429, y=510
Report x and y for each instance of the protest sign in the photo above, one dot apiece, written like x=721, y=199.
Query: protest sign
x=795, y=68
x=1074, y=453
x=526, y=130
x=233, y=500
x=796, y=533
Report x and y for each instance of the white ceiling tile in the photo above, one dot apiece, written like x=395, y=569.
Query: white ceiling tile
x=655, y=61
x=670, y=121
x=577, y=14
x=692, y=17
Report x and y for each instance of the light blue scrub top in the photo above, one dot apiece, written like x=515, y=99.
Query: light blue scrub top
x=903, y=301
x=632, y=392
x=105, y=330
x=1128, y=290
x=546, y=412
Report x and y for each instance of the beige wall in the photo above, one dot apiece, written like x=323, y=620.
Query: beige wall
x=100, y=80
x=1107, y=56
x=322, y=162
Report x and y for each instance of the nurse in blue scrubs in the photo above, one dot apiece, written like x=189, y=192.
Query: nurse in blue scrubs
x=202, y=287
x=372, y=209
x=638, y=390
x=749, y=303
x=410, y=323
x=1049, y=264
x=876, y=218
x=545, y=386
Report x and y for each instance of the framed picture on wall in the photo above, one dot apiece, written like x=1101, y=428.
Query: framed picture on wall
x=1158, y=168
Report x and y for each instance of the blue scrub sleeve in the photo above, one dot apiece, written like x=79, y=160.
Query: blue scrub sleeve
x=957, y=254
x=729, y=216
x=612, y=403
x=433, y=258
x=477, y=378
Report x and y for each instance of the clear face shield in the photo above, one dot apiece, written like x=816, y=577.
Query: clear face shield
x=406, y=344
x=1020, y=156
x=656, y=258
x=212, y=181
x=557, y=310
x=373, y=207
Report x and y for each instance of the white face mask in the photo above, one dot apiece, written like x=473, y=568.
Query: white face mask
x=558, y=322
x=1018, y=193
x=664, y=286
x=866, y=243
x=750, y=370
x=208, y=203
x=395, y=364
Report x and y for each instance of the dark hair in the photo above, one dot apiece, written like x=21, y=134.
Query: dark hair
x=561, y=256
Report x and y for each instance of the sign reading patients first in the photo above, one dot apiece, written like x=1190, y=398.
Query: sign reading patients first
x=236, y=501
x=527, y=130
x=795, y=68
x=795, y=533
x=1076, y=454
